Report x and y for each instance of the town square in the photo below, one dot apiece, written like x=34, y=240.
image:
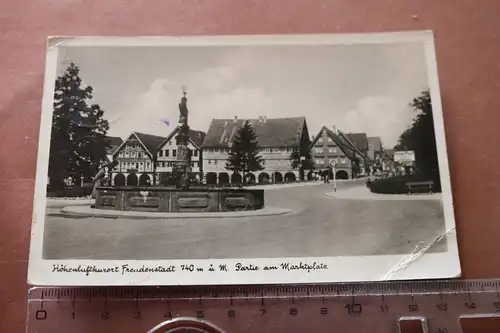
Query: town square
x=242, y=156
x=321, y=226
x=321, y=181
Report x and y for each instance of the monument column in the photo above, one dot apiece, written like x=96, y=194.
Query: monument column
x=182, y=166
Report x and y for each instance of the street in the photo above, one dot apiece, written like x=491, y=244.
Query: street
x=321, y=226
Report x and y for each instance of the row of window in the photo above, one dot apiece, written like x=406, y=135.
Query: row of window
x=161, y=153
x=166, y=153
x=140, y=165
x=131, y=154
x=215, y=162
x=265, y=150
x=320, y=140
x=320, y=150
x=169, y=164
x=323, y=161
x=133, y=165
x=132, y=146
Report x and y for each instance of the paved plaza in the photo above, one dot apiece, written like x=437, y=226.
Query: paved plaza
x=321, y=225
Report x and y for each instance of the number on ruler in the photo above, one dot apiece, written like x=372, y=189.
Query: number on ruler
x=496, y=305
x=200, y=314
x=105, y=315
x=384, y=308
x=168, y=315
x=293, y=312
x=263, y=312
x=324, y=311
x=353, y=308
x=137, y=315
x=231, y=313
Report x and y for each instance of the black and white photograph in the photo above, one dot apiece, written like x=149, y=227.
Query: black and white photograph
x=242, y=160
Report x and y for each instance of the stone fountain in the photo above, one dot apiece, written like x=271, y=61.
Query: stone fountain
x=182, y=198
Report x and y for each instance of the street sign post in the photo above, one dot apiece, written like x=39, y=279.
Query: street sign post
x=404, y=156
x=332, y=164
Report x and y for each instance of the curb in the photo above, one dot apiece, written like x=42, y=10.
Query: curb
x=86, y=211
x=293, y=185
x=61, y=203
x=385, y=197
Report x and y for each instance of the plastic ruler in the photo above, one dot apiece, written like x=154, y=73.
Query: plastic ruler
x=435, y=307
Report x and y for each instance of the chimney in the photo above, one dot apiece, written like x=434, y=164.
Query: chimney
x=225, y=123
x=265, y=118
x=261, y=119
x=235, y=119
x=334, y=129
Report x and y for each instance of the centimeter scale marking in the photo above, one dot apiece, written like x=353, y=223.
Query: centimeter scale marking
x=371, y=307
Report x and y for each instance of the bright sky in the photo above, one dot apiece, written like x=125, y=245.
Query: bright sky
x=357, y=88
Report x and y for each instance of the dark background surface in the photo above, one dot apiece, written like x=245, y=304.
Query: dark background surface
x=468, y=51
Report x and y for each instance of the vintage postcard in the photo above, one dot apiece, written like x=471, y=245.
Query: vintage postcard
x=242, y=160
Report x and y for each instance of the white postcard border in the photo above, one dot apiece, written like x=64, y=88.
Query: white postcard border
x=339, y=269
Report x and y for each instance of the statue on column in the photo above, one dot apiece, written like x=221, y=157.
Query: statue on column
x=183, y=110
x=182, y=166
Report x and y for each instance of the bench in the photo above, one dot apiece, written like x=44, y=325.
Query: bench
x=420, y=187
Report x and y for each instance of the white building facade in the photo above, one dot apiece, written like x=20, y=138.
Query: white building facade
x=276, y=139
x=135, y=158
x=167, y=155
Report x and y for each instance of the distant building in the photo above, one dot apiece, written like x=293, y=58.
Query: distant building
x=136, y=158
x=167, y=154
x=360, y=141
x=330, y=148
x=374, y=148
x=113, y=143
x=276, y=138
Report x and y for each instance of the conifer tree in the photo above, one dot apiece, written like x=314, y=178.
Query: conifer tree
x=244, y=155
x=78, y=137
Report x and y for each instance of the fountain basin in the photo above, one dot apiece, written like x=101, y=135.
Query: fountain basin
x=161, y=199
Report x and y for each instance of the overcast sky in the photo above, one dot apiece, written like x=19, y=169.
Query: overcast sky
x=357, y=88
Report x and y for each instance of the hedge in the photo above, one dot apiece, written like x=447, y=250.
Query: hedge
x=397, y=184
x=70, y=192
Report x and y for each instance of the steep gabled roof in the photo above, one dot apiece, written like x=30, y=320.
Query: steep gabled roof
x=346, y=148
x=347, y=141
x=196, y=138
x=113, y=143
x=360, y=140
x=150, y=142
x=273, y=132
x=375, y=142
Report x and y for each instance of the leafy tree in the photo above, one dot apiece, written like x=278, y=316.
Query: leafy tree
x=78, y=138
x=244, y=155
x=420, y=138
x=298, y=152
